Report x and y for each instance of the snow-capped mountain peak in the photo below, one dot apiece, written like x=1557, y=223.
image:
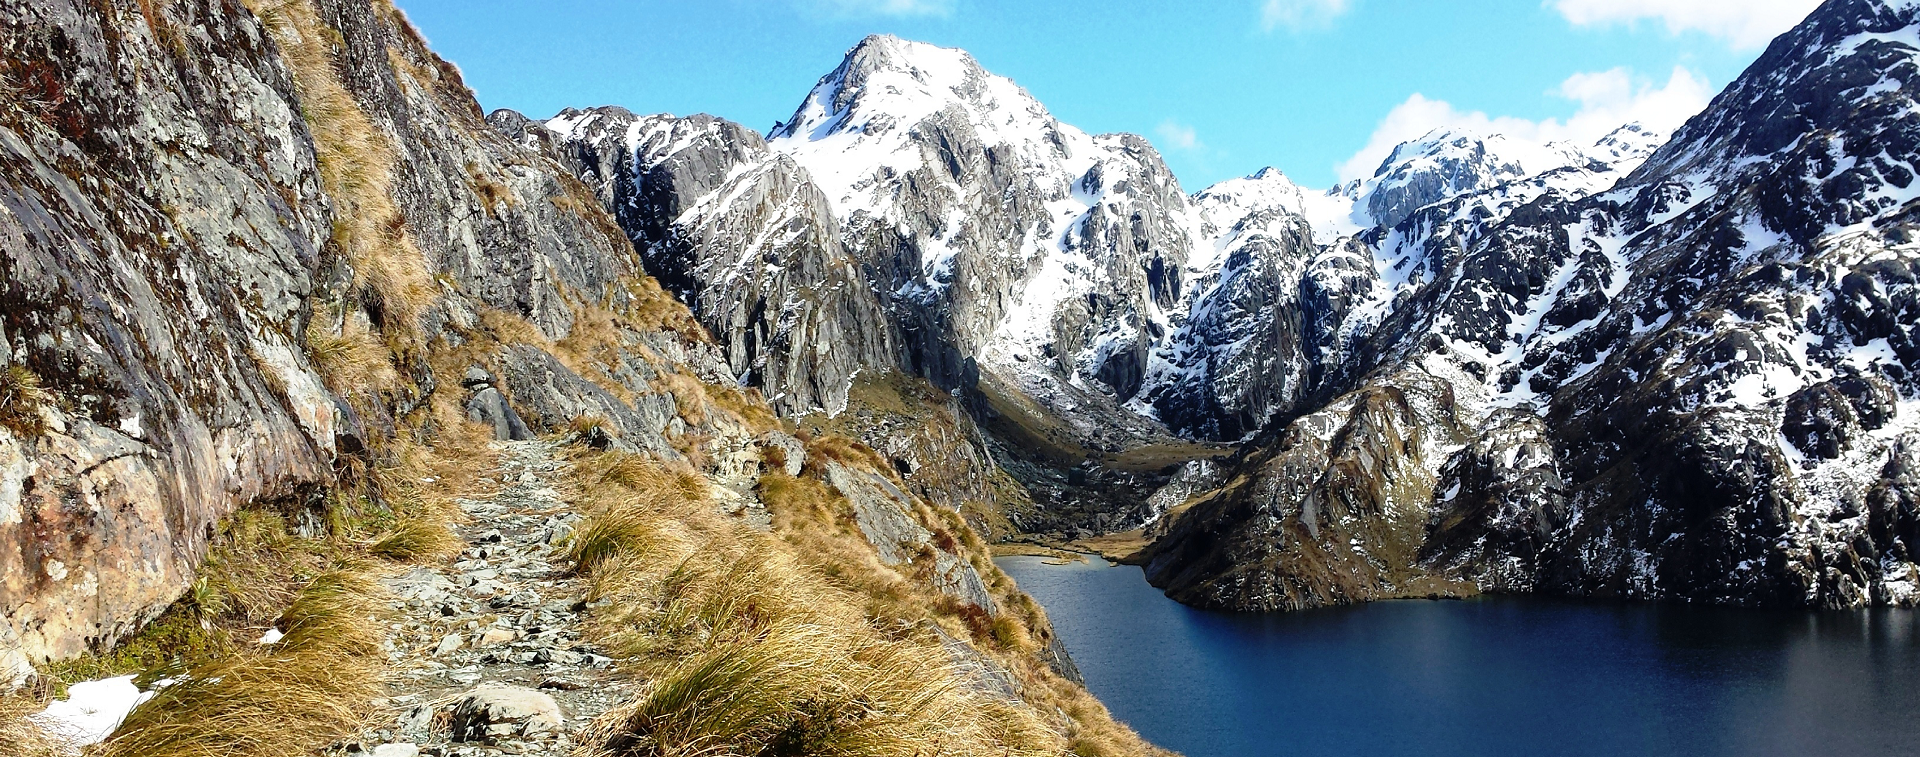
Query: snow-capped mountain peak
x=1447, y=162
x=857, y=123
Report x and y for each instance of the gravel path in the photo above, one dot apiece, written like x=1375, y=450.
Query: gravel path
x=487, y=652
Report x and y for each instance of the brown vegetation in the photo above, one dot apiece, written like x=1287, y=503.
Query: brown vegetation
x=750, y=651
x=18, y=736
x=20, y=401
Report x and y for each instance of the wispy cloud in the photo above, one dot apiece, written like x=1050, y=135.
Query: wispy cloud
x=1742, y=23
x=1175, y=135
x=1301, y=14
x=1608, y=100
x=878, y=7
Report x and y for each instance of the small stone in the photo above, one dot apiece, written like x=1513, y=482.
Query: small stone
x=448, y=644
x=560, y=684
x=496, y=636
x=396, y=750
x=493, y=713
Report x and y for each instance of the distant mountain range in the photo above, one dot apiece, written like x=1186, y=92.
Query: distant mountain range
x=1644, y=367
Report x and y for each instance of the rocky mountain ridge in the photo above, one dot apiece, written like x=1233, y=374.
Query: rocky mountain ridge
x=1064, y=281
x=1613, y=395
x=1457, y=352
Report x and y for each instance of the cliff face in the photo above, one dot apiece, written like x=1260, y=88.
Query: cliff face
x=739, y=233
x=164, y=223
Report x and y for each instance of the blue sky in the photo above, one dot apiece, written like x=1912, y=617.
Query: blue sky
x=1319, y=88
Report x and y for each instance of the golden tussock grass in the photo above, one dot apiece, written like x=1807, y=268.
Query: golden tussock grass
x=350, y=355
x=18, y=736
x=817, y=524
x=651, y=307
x=417, y=540
x=492, y=194
x=750, y=651
x=689, y=395
x=293, y=697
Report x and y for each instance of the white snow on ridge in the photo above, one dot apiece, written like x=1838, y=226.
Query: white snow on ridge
x=854, y=126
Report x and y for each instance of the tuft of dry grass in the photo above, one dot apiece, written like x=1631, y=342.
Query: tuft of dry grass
x=491, y=193
x=802, y=689
x=751, y=651
x=21, y=399
x=840, y=449
x=747, y=405
x=351, y=356
x=417, y=540
x=689, y=396
x=289, y=698
x=19, y=737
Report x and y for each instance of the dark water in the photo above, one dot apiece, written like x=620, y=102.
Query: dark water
x=1487, y=677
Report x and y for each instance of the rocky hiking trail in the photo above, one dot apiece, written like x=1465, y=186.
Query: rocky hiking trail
x=486, y=651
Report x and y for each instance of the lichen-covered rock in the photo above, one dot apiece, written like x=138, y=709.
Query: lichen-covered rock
x=161, y=224
x=494, y=712
x=884, y=514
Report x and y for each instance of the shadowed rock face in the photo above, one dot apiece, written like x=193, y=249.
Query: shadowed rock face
x=742, y=235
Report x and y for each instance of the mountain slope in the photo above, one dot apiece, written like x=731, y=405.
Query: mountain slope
x=1645, y=392
x=742, y=235
x=272, y=283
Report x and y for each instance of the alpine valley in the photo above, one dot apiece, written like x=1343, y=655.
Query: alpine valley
x=609, y=412
x=1657, y=366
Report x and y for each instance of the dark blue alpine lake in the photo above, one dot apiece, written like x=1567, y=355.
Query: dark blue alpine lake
x=1493, y=676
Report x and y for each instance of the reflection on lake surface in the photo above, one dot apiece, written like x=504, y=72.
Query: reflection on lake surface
x=1493, y=676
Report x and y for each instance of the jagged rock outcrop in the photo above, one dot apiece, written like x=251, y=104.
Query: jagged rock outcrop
x=742, y=235
x=1005, y=239
x=1247, y=337
x=884, y=515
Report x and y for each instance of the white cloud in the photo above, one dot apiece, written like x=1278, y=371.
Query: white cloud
x=1743, y=23
x=1180, y=137
x=1300, y=14
x=1608, y=100
x=880, y=7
